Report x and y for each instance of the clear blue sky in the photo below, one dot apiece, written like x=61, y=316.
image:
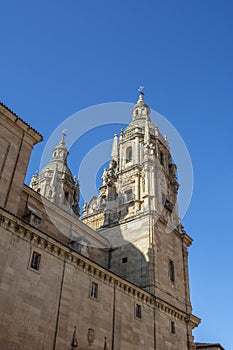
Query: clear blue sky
x=57, y=57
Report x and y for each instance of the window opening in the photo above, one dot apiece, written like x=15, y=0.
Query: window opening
x=173, y=328
x=94, y=290
x=35, y=261
x=138, y=311
x=124, y=260
x=129, y=154
x=171, y=271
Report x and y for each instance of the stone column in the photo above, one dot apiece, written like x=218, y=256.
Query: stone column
x=147, y=179
x=137, y=151
x=137, y=193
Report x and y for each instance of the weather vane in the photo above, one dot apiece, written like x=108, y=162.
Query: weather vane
x=64, y=131
x=140, y=90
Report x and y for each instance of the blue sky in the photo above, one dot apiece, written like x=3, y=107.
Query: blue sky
x=59, y=57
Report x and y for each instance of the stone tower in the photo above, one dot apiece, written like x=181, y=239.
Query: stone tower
x=141, y=176
x=56, y=183
x=137, y=211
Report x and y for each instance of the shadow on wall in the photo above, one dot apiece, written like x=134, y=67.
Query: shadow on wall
x=130, y=255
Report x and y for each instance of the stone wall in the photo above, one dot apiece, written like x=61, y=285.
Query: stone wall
x=16, y=142
x=39, y=309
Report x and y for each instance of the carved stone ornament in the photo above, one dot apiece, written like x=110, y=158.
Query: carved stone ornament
x=90, y=336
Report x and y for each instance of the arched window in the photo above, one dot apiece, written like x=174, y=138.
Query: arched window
x=129, y=154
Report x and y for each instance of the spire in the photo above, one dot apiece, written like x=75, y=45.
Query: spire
x=141, y=93
x=141, y=109
x=115, y=148
x=62, y=142
x=55, y=181
x=60, y=152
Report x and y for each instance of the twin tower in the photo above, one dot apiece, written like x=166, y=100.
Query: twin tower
x=141, y=177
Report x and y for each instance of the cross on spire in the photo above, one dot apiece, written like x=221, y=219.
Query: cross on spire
x=64, y=134
x=140, y=90
x=62, y=142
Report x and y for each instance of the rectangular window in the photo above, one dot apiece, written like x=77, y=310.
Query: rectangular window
x=35, y=261
x=94, y=290
x=138, y=311
x=129, y=154
x=173, y=328
x=161, y=158
x=171, y=271
x=124, y=260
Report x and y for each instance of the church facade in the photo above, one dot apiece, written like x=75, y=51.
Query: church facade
x=114, y=276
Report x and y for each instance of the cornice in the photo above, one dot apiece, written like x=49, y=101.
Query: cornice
x=186, y=239
x=28, y=233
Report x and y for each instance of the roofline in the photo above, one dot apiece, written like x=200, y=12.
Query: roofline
x=45, y=202
x=208, y=345
x=28, y=126
x=56, y=240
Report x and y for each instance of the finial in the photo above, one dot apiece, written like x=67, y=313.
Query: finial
x=141, y=93
x=74, y=343
x=84, y=208
x=62, y=142
x=166, y=140
x=105, y=343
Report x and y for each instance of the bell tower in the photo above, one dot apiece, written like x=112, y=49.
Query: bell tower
x=137, y=211
x=56, y=183
x=141, y=176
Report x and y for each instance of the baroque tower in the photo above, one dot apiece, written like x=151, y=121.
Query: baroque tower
x=137, y=211
x=56, y=183
x=141, y=176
